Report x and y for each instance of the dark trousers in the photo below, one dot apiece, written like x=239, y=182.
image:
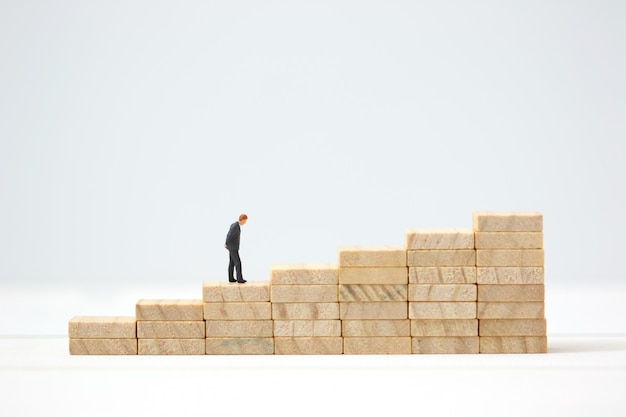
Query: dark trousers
x=235, y=262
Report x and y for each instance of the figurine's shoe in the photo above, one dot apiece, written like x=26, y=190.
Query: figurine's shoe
x=241, y=281
x=232, y=280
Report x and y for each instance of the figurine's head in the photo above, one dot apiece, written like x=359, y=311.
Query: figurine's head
x=243, y=219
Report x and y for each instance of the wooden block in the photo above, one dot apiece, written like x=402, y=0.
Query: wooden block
x=178, y=310
x=304, y=294
x=507, y=221
x=305, y=311
x=322, y=274
x=172, y=346
x=445, y=345
x=514, y=344
x=509, y=275
x=239, y=328
x=103, y=346
x=371, y=256
x=453, y=257
x=238, y=311
x=509, y=240
x=444, y=327
x=375, y=328
x=307, y=328
x=442, y=275
x=512, y=292
x=442, y=310
x=514, y=327
x=387, y=276
x=214, y=291
x=94, y=327
x=442, y=292
x=528, y=310
x=372, y=292
x=439, y=239
x=309, y=345
x=373, y=310
x=171, y=329
x=239, y=345
x=376, y=345
x=509, y=257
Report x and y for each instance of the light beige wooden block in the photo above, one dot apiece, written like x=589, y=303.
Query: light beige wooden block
x=442, y=310
x=372, y=256
x=102, y=327
x=526, y=310
x=512, y=327
x=178, y=310
x=372, y=292
x=513, y=292
x=387, y=276
x=373, y=310
x=445, y=345
x=514, y=344
x=509, y=240
x=442, y=292
x=442, y=275
x=238, y=311
x=509, y=257
x=376, y=345
x=307, y=328
x=444, y=327
x=308, y=345
x=304, y=294
x=319, y=274
x=171, y=329
x=439, y=239
x=484, y=221
x=240, y=346
x=213, y=291
x=171, y=346
x=509, y=275
x=103, y=346
x=453, y=257
x=376, y=328
x=305, y=311
x=239, y=328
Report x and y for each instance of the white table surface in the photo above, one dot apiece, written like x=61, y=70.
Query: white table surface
x=580, y=376
x=584, y=373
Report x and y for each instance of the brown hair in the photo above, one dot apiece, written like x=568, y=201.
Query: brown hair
x=243, y=217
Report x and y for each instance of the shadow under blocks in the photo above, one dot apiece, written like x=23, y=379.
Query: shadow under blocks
x=475, y=290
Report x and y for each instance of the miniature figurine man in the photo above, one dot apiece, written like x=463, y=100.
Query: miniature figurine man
x=232, y=244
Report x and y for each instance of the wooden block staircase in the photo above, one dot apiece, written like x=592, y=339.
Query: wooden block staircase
x=462, y=291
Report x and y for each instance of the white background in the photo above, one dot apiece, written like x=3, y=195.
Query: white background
x=132, y=133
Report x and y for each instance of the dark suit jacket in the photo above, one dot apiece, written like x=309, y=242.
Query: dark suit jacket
x=232, y=238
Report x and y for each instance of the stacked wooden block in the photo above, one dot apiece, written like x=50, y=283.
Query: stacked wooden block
x=373, y=300
x=510, y=275
x=478, y=290
x=170, y=327
x=102, y=336
x=238, y=318
x=305, y=309
x=442, y=290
